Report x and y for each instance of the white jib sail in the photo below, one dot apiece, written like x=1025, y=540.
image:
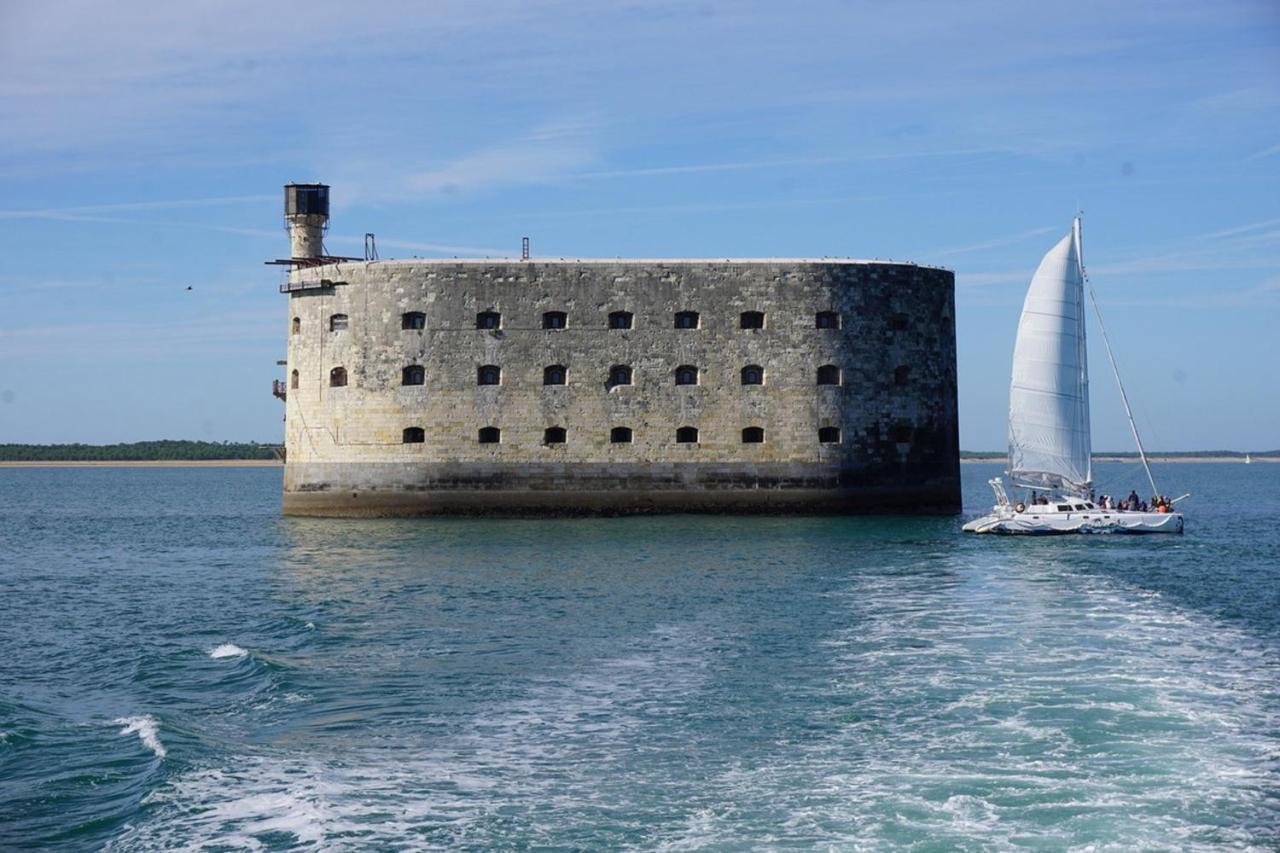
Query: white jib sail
x=1049, y=396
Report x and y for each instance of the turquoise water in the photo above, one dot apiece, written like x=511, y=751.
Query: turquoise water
x=181, y=666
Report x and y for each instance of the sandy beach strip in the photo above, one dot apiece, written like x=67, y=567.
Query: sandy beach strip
x=1153, y=458
x=150, y=463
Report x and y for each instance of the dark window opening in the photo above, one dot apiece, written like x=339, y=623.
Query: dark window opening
x=686, y=319
x=901, y=433
x=553, y=435
x=829, y=435
x=293, y=379
x=490, y=435
x=828, y=374
x=488, y=320
x=337, y=377
x=620, y=435
x=687, y=435
x=827, y=320
x=414, y=435
x=753, y=374
x=619, y=374
x=338, y=323
x=1064, y=507
x=620, y=320
x=898, y=322
x=413, y=320
x=751, y=320
x=753, y=435
x=686, y=374
x=901, y=375
x=554, y=320
x=489, y=374
x=297, y=325
x=414, y=374
x=554, y=374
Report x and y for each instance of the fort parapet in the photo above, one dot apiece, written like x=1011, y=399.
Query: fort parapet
x=614, y=386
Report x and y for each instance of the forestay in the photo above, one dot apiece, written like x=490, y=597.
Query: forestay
x=1049, y=441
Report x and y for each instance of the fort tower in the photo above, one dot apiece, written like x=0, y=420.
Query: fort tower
x=535, y=386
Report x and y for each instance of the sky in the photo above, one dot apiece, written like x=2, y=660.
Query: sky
x=143, y=147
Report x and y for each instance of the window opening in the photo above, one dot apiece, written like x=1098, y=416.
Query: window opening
x=751, y=320
x=293, y=380
x=554, y=374
x=687, y=435
x=620, y=435
x=490, y=435
x=338, y=323
x=488, y=320
x=829, y=435
x=337, y=377
x=827, y=320
x=686, y=319
x=414, y=435
x=619, y=374
x=828, y=374
x=753, y=374
x=620, y=320
x=753, y=435
x=413, y=320
x=297, y=325
x=489, y=374
x=686, y=374
x=414, y=374
x=553, y=435
x=554, y=320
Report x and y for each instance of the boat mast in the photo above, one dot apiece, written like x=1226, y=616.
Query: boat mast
x=1124, y=397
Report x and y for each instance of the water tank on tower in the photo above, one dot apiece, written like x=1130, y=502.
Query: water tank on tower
x=306, y=215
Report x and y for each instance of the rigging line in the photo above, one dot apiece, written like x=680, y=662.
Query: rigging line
x=1124, y=397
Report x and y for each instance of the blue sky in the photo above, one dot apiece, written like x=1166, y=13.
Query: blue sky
x=143, y=147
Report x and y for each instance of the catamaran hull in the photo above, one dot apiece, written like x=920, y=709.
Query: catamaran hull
x=1129, y=523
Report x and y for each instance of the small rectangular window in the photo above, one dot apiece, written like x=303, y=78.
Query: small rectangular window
x=413, y=320
x=620, y=320
x=338, y=323
x=751, y=320
x=554, y=320
x=827, y=320
x=488, y=320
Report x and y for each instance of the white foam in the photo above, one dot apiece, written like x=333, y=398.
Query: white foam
x=146, y=729
x=227, y=650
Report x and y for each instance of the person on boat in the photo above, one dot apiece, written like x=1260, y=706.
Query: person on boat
x=1133, y=498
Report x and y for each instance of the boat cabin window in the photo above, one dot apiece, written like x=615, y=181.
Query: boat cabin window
x=1064, y=507
x=1080, y=506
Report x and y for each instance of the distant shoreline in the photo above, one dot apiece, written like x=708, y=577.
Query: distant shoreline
x=1153, y=457
x=146, y=463
x=276, y=463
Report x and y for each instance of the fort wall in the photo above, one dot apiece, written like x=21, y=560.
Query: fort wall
x=878, y=434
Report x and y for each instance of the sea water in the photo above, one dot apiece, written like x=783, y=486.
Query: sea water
x=181, y=666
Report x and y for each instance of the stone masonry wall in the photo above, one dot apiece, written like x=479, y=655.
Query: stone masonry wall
x=895, y=406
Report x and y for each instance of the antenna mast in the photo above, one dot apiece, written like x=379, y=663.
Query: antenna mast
x=1115, y=369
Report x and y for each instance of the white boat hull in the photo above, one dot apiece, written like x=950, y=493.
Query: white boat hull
x=1009, y=522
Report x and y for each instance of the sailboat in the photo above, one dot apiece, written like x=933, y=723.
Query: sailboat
x=1050, y=450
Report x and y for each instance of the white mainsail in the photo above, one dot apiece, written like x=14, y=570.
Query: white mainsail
x=1049, y=442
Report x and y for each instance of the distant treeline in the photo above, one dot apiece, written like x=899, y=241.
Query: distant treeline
x=1155, y=454
x=140, y=451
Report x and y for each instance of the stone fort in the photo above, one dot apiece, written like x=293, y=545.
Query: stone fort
x=577, y=386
